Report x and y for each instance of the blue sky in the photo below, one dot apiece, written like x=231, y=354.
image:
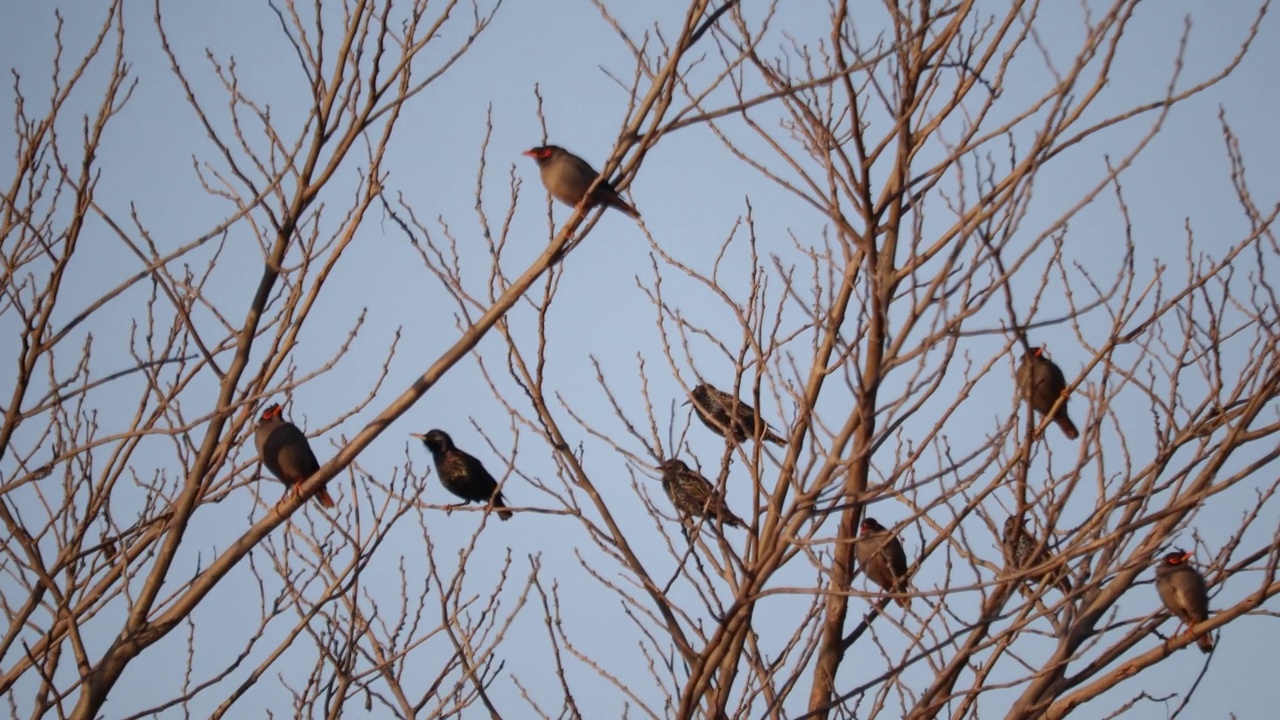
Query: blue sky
x=693, y=195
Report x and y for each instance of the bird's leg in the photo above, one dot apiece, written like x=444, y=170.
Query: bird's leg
x=1192, y=634
x=1173, y=638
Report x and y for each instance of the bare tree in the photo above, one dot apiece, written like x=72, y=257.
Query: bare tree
x=920, y=181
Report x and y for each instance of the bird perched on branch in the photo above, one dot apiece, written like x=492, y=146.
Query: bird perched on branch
x=1019, y=544
x=729, y=417
x=1042, y=383
x=568, y=177
x=462, y=474
x=694, y=495
x=1184, y=594
x=284, y=449
x=882, y=559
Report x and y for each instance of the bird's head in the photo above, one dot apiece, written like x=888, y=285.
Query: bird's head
x=437, y=441
x=1011, y=525
x=673, y=465
x=1177, y=557
x=869, y=525
x=271, y=412
x=542, y=153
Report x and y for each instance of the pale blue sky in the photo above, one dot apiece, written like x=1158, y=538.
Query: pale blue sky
x=691, y=192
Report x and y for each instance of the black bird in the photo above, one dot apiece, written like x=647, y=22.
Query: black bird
x=882, y=559
x=462, y=474
x=694, y=495
x=1042, y=383
x=1183, y=592
x=1019, y=544
x=727, y=416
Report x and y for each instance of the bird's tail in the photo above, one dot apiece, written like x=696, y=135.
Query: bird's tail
x=614, y=200
x=498, y=504
x=1063, y=583
x=1205, y=642
x=1068, y=427
x=325, y=498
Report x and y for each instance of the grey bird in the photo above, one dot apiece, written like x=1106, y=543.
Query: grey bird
x=1019, y=544
x=729, y=417
x=1184, y=594
x=568, y=177
x=693, y=495
x=284, y=449
x=1042, y=383
x=882, y=559
x=462, y=474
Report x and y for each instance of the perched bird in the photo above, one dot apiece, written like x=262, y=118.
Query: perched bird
x=285, y=451
x=693, y=495
x=882, y=559
x=568, y=177
x=1019, y=544
x=1042, y=383
x=1183, y=592
x=462, y=474
x=726, y=415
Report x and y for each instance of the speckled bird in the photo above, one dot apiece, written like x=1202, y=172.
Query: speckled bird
x=462, y=474
x=1020, y=543
x=1183, y=591
x=567, y=178
x=693, y=495
x=882, y=559
x=1042, y=383
x=284, y=449
x=728, y=416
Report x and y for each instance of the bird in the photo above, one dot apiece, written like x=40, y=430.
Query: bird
x=284, y=449
x=1019, y=544
x=880, y=555
x=1183, y=592
x=568, y=177
x=693, y=495
x=1042, y=383
x=728, y=416
x=462, y=474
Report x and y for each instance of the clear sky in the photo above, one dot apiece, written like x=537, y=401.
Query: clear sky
x=692, y=193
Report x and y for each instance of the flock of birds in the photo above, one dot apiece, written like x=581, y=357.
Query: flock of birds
x=284, y=450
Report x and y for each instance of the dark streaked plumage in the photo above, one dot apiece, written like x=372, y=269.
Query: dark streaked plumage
x=462, y=474
x=882, y=559
x=1019, y=544
x=693, y=495
x=728, y=416
x=1183, y=591
x=1042, y=383
x=568, y=177
x=284, y=449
